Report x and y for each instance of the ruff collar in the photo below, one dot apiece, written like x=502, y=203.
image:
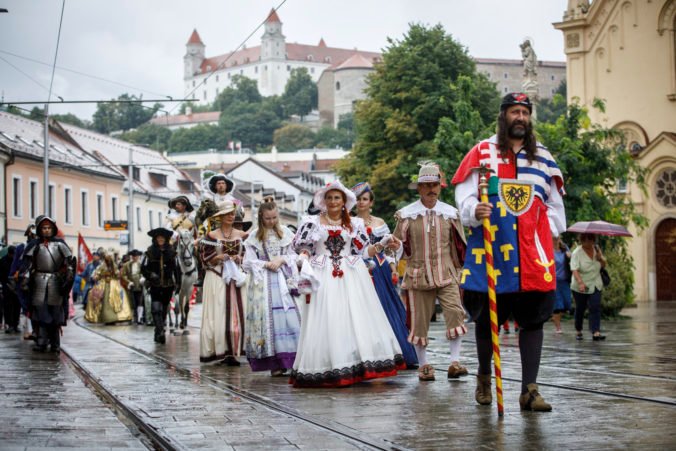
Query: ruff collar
x=418, y=209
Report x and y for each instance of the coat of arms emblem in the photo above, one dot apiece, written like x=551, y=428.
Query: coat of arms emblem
x=516, y=195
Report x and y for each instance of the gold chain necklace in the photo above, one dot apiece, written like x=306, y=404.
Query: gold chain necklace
x=229, y=234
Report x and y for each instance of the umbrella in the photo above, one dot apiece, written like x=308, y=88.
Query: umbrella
x=599, y=228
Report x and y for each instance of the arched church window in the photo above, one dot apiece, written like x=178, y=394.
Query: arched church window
x=665, y=188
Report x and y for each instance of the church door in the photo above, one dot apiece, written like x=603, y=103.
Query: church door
x=665, y=260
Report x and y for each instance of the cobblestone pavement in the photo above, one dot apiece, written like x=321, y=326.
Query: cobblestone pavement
x=45, y=405
x=614, y=394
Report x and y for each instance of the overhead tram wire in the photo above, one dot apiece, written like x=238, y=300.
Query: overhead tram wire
x=84, y=74
x=45, y=183
x=241, y=45
x=26, y=75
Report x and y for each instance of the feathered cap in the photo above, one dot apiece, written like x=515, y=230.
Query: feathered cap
x=361, y=188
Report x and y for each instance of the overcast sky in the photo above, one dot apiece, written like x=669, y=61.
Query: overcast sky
x=141, y=43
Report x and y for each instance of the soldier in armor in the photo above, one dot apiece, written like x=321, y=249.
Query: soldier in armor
x=163, y=276
x=48, y=272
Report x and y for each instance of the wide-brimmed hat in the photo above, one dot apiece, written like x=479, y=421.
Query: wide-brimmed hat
x=161, y=231
x=361, y=188
x=184, y=199
x=239, y=220
x=350, y=198
x=135, y=252
x=429, y=173
x=29, y=230
x=229, y=184
x=224, y=208
x=516, y=98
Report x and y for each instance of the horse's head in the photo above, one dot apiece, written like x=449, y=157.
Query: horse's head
x=186, y=246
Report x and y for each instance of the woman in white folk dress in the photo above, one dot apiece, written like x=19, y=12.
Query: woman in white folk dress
x=345, y=335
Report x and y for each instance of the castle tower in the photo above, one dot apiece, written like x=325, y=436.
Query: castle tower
x=273, y=42
x=194, y=55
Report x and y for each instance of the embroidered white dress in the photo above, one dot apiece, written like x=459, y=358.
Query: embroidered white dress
x=345, y=335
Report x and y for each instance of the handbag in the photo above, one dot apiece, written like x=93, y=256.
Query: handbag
x=605, y=277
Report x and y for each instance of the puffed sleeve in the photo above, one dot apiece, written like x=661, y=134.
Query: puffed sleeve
x=360, y=240
x=306, y=237
x=252, y=263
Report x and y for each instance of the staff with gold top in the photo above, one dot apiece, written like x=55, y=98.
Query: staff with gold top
x=524, y=209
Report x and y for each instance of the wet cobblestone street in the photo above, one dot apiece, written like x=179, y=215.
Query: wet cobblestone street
x=617, y=394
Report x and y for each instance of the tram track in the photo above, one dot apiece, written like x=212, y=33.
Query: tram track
x=580, y=389
x=164, y=442
x=149, y=435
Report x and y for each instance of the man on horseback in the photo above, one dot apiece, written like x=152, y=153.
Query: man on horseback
x=181, y=217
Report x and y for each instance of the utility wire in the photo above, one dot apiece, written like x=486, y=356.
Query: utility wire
x=56, y=51
x=95, y=77
x=26, y=75
x=222, y=64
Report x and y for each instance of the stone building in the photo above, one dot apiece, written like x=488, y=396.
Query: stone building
x=624, y=52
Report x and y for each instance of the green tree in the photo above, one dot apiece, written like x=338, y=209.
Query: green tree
x=292, y=137
x=329, y=138
x=415, y=86
x=200, y=137
x=252, y=124
x=300, y=94
x=593, y=159
x=124, y=115
x=243, y=90
x=151, y=135
x=549, y=110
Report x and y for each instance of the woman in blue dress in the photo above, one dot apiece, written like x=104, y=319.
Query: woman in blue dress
x=383, y=271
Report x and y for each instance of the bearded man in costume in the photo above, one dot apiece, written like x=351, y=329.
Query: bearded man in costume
x=525, y=209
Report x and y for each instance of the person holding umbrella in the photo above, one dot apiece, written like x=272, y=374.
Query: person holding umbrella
x=585, y=264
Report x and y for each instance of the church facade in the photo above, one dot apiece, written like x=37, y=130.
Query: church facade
x=624, y=52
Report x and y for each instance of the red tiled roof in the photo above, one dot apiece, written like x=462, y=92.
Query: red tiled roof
x=294, y=52
x=356, y=61
x=181, y=119
x=195, y=38
x=273, y=17
x=321, y=43
x=244, y=56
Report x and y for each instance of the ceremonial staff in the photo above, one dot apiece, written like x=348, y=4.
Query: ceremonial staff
x=490, y=276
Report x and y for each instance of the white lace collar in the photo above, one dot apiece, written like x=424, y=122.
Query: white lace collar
x=418, y=209
x=286, y=239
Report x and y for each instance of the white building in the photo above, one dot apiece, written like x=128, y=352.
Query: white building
x=270, y=63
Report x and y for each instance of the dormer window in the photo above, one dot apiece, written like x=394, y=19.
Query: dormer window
x=310, y=58
x=327, y=59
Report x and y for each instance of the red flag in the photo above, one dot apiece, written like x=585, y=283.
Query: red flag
x=84, y=255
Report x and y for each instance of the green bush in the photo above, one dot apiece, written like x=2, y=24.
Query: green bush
x=620, y=292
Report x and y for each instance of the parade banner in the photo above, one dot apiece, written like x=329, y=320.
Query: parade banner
x=84, y=255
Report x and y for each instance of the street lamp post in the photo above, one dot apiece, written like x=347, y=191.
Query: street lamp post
x=253, y=200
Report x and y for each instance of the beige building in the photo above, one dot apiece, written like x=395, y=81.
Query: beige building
x=624, y=52
x=88, y=183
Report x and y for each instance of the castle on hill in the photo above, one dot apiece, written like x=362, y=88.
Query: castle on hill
x=340, y=73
